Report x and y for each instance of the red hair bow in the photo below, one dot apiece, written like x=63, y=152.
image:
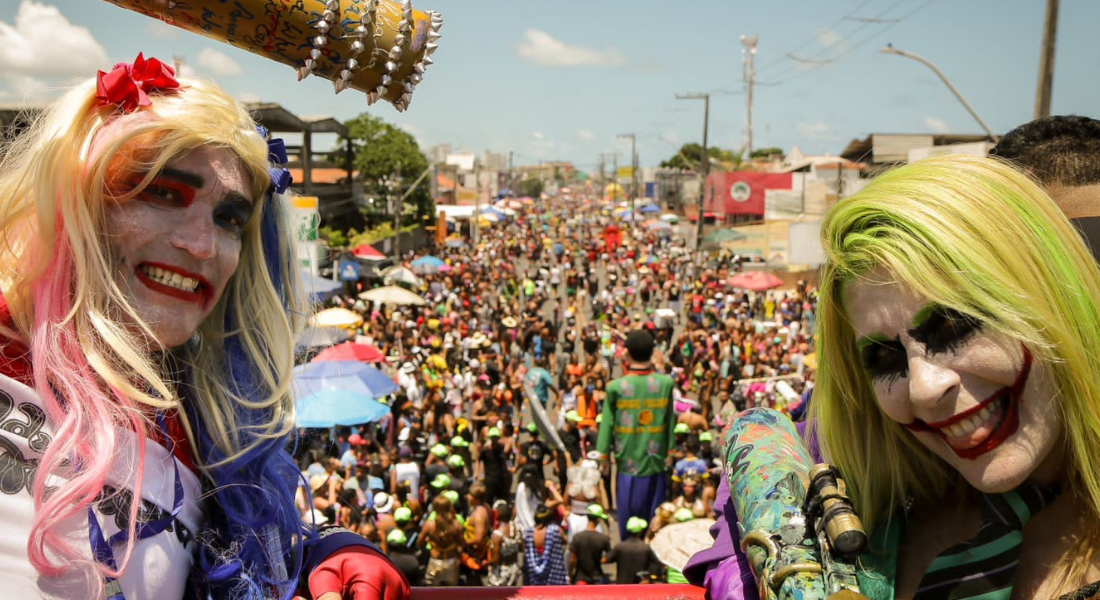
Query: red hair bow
x=128, y=85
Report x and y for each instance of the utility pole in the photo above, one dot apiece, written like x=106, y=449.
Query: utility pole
x=394, y=186
x=603, y=177
x=704, y=164
x=615, y=175
x=510, y=183
x=749, y=75
x=633, y=176
x=1046, y=62
x=477, y=202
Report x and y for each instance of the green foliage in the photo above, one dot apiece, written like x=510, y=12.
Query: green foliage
x=531, y=186
x=689, y=155
x=334, y=237
x=380, y=150
x=767, y=152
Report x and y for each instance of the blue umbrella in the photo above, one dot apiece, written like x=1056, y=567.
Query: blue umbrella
x=319, y=288
x=650, y=208
x=341, y=375
x=328, y=408
x=320, y=337
x=427, y=264
x=492, y=211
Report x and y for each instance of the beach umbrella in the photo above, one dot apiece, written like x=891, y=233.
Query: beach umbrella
x=320, y=337
x=336, y=317
x=401, y=274
x=724, y=235
x=650, y=208
x=492, y=217
x=329, y=408
x=392, y=294
x=364, y=353
x=756, y=281
x=367, y=252
x=455, y=243
x=670, y=218
x=659, y=226
x=319, y=288
x=427, y=264
x=342, y=375
x=489, y=210
x=675, y=544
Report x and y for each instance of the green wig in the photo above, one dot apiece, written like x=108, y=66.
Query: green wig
x=974, y=235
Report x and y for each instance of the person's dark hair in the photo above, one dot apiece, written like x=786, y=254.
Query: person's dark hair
x=544, y=515
x=692, y=444
x=1058, y=150
x=530, y=474
x=478, y=490
x=504, y=512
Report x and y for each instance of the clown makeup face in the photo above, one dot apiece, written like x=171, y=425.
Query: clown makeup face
x=976, y=399
x=177, y=243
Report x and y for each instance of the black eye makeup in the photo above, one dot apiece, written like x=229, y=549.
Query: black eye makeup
x=883, y=358
x=943, y=329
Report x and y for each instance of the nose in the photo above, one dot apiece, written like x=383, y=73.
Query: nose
x=196, y=235
x=930, y=382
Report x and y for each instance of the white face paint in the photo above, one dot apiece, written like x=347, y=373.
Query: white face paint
x=974, y=398
x=177, y=243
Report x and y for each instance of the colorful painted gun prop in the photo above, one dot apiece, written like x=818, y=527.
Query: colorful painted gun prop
x=375, y=46
x=798, y=548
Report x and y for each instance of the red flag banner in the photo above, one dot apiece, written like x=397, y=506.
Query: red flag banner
x=742, y=192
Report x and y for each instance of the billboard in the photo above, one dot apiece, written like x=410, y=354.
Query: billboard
x=742, y=192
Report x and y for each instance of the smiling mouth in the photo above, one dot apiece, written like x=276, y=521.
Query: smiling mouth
x=174, y=282
x=979, y=429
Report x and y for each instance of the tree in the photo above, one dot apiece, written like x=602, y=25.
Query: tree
x=767, y=152
x=379, y=148
x=531, y=186
x=689, y=154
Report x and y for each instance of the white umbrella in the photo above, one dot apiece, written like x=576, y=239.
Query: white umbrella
x=675, y=544
x=401, y=274
x=392, y=294
x=670, y=218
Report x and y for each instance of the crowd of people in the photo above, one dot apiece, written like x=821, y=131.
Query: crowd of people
x=461, y=484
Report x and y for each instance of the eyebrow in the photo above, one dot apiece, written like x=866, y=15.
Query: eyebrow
x=185, y=177
x=874, y=338
x=921, y=316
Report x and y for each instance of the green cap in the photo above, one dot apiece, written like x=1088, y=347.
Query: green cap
x=684, y=514
x=599, y=418
x=403, y=514
x=706, y=437
x=681, y=428
x=532, y=427
x=494, y=432
x=636, y=524
x=442, y=480
x=459, y=442
x=453, y=496
x=397, y=537
x=595, y=510
x=440, y=450
x=571, y=415
x=456, y=461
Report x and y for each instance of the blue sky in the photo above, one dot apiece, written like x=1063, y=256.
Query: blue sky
x=559, y=80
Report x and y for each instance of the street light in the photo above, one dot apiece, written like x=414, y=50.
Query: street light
x=890, y=49
x=633, y=175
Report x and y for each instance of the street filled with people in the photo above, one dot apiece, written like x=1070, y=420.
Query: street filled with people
x=510, y=454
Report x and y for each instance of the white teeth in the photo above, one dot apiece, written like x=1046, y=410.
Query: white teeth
x=171, y=279
x=975, y=422
x=955, y=430
x=985, y=413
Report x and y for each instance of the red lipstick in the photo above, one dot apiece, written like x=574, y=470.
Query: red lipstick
x=201, y=295
x=1009, y=424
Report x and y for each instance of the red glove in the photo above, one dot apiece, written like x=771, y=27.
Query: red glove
x=358, y=573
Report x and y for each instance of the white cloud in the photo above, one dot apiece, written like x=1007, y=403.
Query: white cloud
x=816, y=131
x=248, y=97
x=219, y=63
x=158, y=29
x=586, y=135
x=42, y=42
x=937, y=125
x=537, y=135
x=541, y=48
x=24, y=88
x=827, y=38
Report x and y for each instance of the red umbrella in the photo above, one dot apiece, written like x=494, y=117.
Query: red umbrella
x=756, y=281
x=351, y=351
x=367, y=251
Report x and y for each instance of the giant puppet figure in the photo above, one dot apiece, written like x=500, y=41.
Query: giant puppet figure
x=957, y=392
x=147, y=320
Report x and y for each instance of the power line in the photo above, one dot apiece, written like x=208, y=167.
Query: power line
x=852, y=48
